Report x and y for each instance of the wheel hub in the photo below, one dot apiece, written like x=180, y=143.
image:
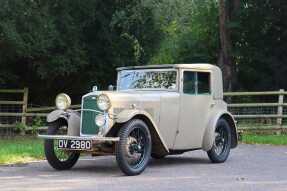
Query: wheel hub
x=220, y=141
x=135, y=147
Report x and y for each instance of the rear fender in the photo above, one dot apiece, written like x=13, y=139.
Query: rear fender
x=209, y=134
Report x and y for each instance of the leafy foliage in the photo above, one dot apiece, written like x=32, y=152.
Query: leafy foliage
x=62, y=45
x=190, y=33
x=258, y=38
x=260, y=43
x=53, y=46
x=20, y=127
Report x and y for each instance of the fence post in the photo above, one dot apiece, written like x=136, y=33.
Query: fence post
x=24, y=107
x=280, y=108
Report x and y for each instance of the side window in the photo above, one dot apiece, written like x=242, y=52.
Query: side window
x=189, y=82
x=196, y=82
x=203, y=82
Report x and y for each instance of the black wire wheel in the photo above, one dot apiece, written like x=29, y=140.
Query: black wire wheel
x=134, y=147
x=59, y=159
x=222, y=142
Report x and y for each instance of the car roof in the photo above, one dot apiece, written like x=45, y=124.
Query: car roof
x=201, y=66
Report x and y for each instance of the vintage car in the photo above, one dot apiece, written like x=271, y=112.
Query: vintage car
x=155, y=111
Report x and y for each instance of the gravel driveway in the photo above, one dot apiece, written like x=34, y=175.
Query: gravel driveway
x=249, y=167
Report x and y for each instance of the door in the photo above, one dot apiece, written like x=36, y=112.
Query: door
x=169, y=113
x=195, y=103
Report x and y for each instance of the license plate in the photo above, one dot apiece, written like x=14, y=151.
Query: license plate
x=75, y=144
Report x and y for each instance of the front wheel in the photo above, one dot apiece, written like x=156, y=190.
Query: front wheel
x=222, y=143
x=57, y=158
x=134, y=147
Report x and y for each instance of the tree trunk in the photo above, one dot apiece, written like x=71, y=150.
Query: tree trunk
x=225, y=60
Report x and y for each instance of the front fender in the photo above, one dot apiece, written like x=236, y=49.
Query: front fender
x=72, y=118
x=56, y=114
x=126, y=115
x=209, y=134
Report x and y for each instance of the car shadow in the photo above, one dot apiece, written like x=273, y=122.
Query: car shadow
x=108, y=165
x=178, y=160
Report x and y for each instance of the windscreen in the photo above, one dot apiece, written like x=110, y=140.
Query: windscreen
x=157, y=79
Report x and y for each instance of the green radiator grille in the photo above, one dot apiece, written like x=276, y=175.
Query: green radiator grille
x=88, y=117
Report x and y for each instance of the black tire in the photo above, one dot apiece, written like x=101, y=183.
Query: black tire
x=157, y=156
x=135, y=139
x=222, y=143
x=50, y=152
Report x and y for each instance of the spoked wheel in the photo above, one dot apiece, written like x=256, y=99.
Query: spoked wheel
x=59, y=159
x=134, y=148
x=222, y=143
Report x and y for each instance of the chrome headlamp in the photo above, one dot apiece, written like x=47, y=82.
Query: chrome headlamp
x=63, y=101
x=103, y=102
x=100, y=120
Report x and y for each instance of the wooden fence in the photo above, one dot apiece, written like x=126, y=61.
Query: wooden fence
x=278, y=104
x=278, y=113
x=23, y=103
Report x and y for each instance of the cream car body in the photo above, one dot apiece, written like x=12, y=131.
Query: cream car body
x=177, y=121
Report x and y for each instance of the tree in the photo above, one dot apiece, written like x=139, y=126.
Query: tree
x=227, y=11
x=190, y=33
x=260, y=45
x=54, y=46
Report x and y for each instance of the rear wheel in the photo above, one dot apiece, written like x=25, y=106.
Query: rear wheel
x=134, y=148
x=58, y=158
x=222, y=143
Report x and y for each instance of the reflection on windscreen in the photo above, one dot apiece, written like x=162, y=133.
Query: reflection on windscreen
x=147, y=79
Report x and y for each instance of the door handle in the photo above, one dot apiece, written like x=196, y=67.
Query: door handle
x=212, y=104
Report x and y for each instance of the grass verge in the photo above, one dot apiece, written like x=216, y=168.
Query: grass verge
x=264, y=139
x=20, y=150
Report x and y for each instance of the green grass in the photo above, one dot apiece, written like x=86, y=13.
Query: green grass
x=264, y=139
x=20, y=150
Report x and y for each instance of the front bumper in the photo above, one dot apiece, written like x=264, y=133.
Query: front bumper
x=91, y=138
